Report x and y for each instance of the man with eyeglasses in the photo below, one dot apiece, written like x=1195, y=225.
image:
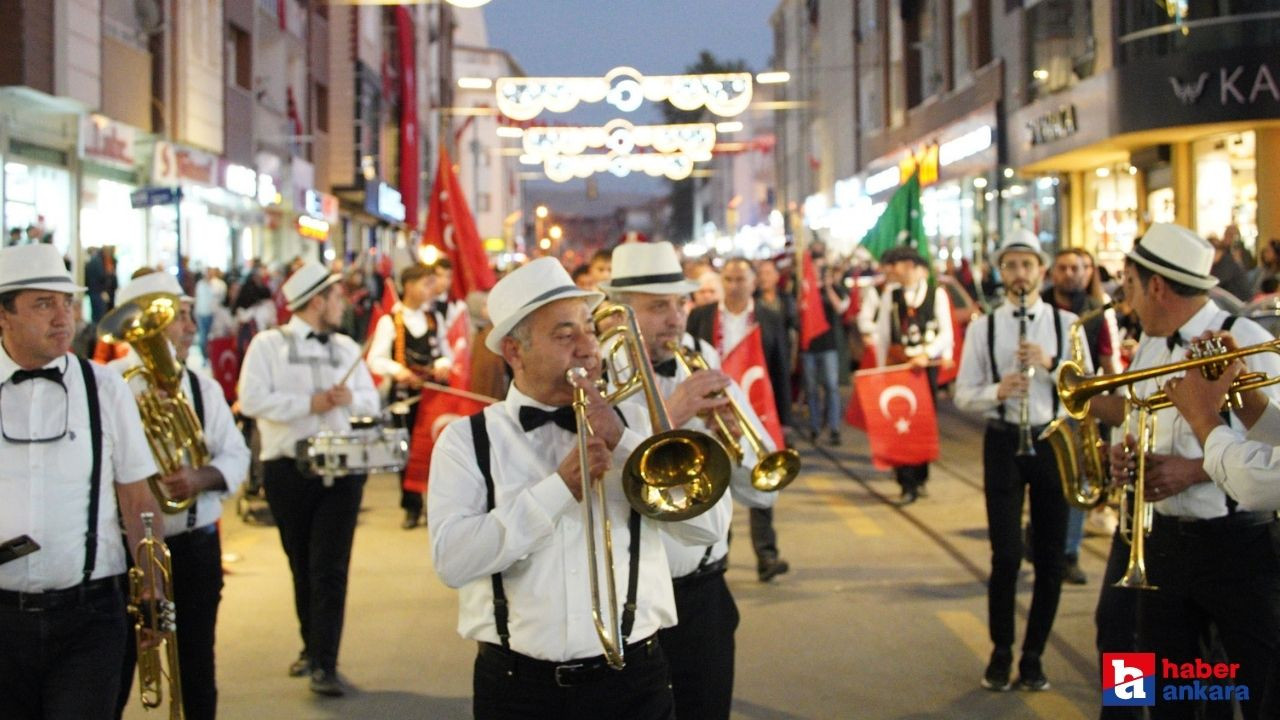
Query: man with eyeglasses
x=73, y=458
x=192, y=536
x=1012, y=357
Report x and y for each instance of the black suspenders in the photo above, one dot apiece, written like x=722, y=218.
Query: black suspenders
x=95, y=477
x=991, y=352
x=501, y=608
x=197, y=402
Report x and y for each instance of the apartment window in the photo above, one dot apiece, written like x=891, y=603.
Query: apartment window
x=321, y=95
x=924, y=61
x=1060, y=46
x=961, y=40
x=240, y=57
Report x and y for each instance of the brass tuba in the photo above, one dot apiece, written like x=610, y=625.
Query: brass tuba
x=149, y=580
x=172, y=428
x=1077, y=444
x=773, y=470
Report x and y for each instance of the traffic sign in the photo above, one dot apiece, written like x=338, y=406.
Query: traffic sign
x=150, y=196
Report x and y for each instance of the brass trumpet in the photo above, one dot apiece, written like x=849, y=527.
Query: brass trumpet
x=1136, y=514
x=151, y=605
x=773, y=470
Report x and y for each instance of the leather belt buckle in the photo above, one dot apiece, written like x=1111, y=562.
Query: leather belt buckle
x=564, y=674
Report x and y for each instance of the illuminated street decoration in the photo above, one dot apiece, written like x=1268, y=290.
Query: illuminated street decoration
x=524, y=98
x=561, y=168
x=620, y=137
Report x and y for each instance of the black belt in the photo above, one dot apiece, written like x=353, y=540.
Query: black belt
x=1008, y=427
x=1198, y=527
x=62, y=599
x=564, y=674
x=702, y=573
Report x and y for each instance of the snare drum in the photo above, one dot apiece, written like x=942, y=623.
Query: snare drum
x=368, y=450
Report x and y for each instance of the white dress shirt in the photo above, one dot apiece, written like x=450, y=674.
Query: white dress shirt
x=943, y=341
x=1247, y=466
x=536, y=538
x=735, y=326
x=44, y=487
x=381, y=355
x=283, y=369
x=683, y=558
x=976, y=392
x=227, y=449
x=1173, y=434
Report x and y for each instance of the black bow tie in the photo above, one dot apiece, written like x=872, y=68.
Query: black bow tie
x=532, y=418
x=1173, y=341
x=666, y=368
x=322, y=338
x=48, y=373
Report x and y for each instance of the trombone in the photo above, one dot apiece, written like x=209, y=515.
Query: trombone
x=773, y=470
x=154, y=617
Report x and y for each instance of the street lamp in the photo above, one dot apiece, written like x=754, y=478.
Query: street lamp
x=556, y=232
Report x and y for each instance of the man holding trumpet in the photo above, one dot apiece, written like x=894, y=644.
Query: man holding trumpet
x=507, y=529
x=1209, y=559
x=647, y=278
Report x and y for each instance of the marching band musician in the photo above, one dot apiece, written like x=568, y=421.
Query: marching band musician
x=73, y=459
x=297, y=380
x=700, y=648
x=1001, y=350
x=410, y=346
x=1211, y=560
x=913, y=326
x=507, y=530
x=192, y=536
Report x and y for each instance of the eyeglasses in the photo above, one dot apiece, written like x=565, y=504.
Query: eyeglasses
x=66, y=419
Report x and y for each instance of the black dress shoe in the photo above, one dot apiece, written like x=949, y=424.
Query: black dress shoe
x=772, y=569
x=1031, y=676
x=834, y=438
x=411, y=518
x=326, y=682
x=300, y=667
x=996, y=677
x=906, y=498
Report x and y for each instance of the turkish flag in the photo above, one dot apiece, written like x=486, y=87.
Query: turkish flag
x=452, y=229
x=813, y=320
x=408, y=116
x=224, y=361
x=899, y=413
x=746, y=365
x=439, y=409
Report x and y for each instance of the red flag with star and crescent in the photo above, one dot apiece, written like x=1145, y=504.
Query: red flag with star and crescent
x=901, y=424
x=224, y=362
x=439, y=409
x=746, y=365
x=813, y=319
x=452, y=229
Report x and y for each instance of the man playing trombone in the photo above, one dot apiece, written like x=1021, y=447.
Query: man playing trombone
x=507, y=529
x=1008, y=372
x=1209, y=559
x=647, y=278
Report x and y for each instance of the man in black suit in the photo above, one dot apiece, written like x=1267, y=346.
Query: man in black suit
x=724, y=325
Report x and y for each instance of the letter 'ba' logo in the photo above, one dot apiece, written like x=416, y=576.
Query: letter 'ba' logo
x=1128, y=679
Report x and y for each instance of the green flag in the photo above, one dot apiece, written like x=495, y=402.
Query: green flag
x=901, y=223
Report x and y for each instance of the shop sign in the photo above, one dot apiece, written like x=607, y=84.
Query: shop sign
x=107, y=141
x=320, y=205
x=965, y=146
x=313, y=228
x=176, y=164
x=926, y=161
x=240, y=180
x=150, y=196
x=1199, y=88
x=883, y=180
x=384, y=201
x=1053, y=125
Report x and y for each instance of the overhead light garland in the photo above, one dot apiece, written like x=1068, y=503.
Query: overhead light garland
x=619, y=137
x=562, y=168
x=625, y=88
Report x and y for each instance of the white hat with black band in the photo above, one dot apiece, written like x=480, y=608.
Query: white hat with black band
x=35, y=267
x=1022, y=240
x=526, y=289
x=151, y=283
x=1174, y=252
x=304, y=284
x=649, y=268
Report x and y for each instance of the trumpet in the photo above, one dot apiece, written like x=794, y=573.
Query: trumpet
x=1025, y=446
x=773, y=470
x=1136, y=514
x=150, y=604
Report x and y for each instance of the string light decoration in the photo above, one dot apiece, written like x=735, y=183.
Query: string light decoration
x=625, y=88
x=563, y=168
x=619, y=137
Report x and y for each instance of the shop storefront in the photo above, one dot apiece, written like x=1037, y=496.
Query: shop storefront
x=38, y=150
x=112, y=167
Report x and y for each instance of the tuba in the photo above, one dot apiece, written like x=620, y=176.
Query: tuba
x=1077, y=444
x=773, y=470
x=150, y=579
x=172, y=428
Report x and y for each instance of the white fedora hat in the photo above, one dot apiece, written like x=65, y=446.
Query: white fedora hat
x=35, y=267
x=650, y=268
x=153, y=282
x=526, y=289
x=1022, y=240
x=306, y=282
x=1176, y=253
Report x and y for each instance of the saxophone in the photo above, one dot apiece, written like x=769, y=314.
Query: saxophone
x=1077, y=444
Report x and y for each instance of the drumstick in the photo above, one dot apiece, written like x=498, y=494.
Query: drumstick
x=401, y=406
x=894, y=368
x=359, y=358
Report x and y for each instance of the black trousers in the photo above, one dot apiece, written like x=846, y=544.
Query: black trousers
x=1223, y=574
x=1116, y=618
x=764, y=539
x=197, y=591
x=62, y=664
x=317, y=525
x=913, y=477
x=1006, y=478
x=700, y=649
x=640, y=691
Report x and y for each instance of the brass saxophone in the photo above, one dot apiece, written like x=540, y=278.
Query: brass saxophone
x=1077, y=444
x=172, y=428
x=149, y=581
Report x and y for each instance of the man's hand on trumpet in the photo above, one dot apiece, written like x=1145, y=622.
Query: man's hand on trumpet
x=691, y=396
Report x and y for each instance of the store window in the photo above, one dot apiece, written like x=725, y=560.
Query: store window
x=107, y=217
x=38, y=196
x=1060, y=45
x=1032, y=204
x=1222, y=162
x=1111, y=199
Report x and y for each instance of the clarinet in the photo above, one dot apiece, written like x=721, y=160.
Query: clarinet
x=1025, y=447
